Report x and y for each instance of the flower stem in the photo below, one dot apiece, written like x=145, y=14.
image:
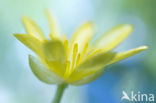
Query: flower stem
x=59, y=93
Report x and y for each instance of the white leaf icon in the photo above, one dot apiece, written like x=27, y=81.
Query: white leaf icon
x=125, y=96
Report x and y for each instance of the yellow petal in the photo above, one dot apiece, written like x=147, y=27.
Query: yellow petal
x=54, y=30
x=129, y=53
x=54, y=51
x=112, y=38
x=100, y=59
x=91, y=66
x=89, y=78
x=82, y=36
x=82, y=73
x=55, y=54
x=33, y=29
x=84, y=32
x=42, y=73
x=31, y=42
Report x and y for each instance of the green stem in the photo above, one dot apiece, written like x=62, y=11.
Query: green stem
x=59, y=93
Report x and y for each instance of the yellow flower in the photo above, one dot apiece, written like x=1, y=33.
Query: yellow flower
x=75, y=62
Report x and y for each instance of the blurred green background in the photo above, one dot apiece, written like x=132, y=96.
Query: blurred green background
x=138, y=73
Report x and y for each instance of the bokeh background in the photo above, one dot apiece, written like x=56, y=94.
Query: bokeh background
x=138, y=73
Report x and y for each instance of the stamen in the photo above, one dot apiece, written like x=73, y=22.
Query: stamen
x=75, y=61
x=78, y=60
x=84, y=51
x=67, y=72
x=75, y=51
x=66, y=45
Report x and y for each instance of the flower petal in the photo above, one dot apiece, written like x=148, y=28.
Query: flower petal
x=84, y=32
x=129, y=53
x=97, y=60
x=55, y=54
x=31, y=42
x=82, y=37
x=112, y=38
x=54, y=51
x=54, y=30
x=89, y=78
x=42, y=73
x=33, y=29
x=91, y=66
